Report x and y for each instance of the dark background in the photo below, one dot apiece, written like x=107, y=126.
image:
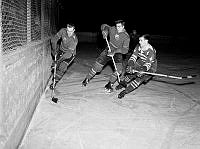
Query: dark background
x=162, y=18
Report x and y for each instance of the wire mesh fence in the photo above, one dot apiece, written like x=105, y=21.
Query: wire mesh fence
x=25, y=21
x=35, y=20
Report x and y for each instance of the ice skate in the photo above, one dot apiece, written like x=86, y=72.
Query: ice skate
x=85, y=82
x=108, y=87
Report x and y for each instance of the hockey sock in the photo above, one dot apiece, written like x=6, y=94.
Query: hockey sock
x=133, y=85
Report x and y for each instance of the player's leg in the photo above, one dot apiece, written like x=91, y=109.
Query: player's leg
x=97, y=67
x=114, y=77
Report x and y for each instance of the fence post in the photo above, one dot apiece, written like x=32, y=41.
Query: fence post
x=1, y=76
x=28, y=21
x=42, y=19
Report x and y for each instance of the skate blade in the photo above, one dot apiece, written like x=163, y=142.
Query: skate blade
x=84, y=85
x=108, y=90
x=53, y=103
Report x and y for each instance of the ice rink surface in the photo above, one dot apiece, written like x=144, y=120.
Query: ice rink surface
x=163, y=114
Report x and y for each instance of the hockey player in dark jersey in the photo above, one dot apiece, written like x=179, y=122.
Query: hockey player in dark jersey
x=66, y=50
x=119, y=44
x=142, y=59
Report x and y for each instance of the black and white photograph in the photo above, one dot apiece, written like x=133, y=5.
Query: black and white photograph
x=99, y=74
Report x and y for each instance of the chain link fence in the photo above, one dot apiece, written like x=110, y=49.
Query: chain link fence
x=25, y=21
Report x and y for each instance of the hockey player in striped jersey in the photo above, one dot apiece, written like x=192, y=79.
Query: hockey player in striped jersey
x=119, y=44
x=142, y=59
x=65, y=51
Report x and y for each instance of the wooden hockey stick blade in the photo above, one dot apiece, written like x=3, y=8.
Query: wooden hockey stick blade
x=168, y=76
x=189, y=77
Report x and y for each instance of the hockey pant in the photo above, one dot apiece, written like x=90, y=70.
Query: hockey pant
x=62, y=68
x=101, y=61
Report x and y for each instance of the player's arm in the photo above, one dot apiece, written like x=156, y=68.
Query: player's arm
x=73, y=45
x=55, y=39
x=71, y=49
x=125, y=46
x=149, y=60
x=105, y=30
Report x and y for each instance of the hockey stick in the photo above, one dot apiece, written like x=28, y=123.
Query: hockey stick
x=164, y=75
x=54, y=81
x=55, y=100
x=113, y=60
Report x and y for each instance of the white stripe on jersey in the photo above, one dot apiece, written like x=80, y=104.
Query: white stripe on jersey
x=148, y=65
x=133, y=58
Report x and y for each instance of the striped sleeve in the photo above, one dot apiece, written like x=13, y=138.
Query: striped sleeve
x=150, y=59
x=56, y=38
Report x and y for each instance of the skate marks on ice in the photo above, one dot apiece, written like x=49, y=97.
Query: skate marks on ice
x=176, y=106
x=179, y=70
x=156, y=99
x=165, y=97
x=184, y=131
x=160, y=98
x=70, y=89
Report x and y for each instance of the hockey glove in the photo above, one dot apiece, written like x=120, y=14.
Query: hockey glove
x=142, y=69
x=111, y=54
x=105, y=34
x=139, y=74
x=129, y=69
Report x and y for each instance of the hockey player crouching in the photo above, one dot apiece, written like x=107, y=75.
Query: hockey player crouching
x=66, y=50
x=142, y=59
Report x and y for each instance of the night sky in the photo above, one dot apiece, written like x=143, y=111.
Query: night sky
x=163, y=18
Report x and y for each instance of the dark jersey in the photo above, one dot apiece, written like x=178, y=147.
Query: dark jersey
x=119, y=42
x=68, y=44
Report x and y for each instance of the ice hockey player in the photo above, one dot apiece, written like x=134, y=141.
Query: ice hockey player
x=119, y=44
x=66, y=50
x=143, y=59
